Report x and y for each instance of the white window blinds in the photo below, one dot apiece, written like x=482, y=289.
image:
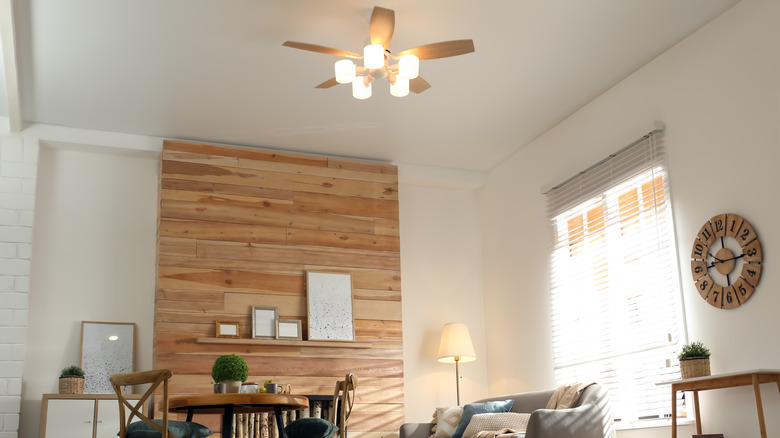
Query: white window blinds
x=616, y=311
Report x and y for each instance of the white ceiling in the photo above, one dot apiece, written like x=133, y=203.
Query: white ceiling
x=216, y=71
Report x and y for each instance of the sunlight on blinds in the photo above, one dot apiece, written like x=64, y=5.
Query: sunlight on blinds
x=616, y=310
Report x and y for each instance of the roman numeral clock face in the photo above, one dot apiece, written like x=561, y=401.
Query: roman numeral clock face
x=726, y=261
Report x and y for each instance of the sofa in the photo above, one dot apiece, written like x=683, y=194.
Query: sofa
x=589, y=418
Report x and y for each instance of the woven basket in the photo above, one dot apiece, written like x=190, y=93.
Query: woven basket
x=690, y=368
x=71, y=385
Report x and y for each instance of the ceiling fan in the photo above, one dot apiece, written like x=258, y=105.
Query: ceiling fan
x=400, y=70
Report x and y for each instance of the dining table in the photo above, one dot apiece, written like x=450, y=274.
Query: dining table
x=237, y=403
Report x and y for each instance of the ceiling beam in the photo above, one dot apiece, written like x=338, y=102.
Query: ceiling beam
x=8, y=36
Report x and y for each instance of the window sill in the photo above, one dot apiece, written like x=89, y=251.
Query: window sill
x=650, y=424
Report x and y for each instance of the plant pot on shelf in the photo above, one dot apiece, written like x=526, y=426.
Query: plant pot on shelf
x=695, y=367
x=71, y=385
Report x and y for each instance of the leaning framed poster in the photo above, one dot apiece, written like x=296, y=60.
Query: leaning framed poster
x=329, y=303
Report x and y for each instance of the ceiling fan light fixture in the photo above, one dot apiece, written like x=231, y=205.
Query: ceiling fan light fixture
x=374, y=56
x=409, y=66
x=345, y=71
x=360, y=89
x=400, y=88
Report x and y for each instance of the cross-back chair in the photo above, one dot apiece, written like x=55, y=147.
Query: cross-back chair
x=342, y=409
x=336, y=425
x=155, y=377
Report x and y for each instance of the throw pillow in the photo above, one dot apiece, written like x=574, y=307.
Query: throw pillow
x=472, y=409
x=493, y=422
x=182, y=429
x=311, y=427
x=447, y=420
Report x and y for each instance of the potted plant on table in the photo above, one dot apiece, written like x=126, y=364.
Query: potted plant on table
x=232, y=370
x=72, y=380
x=694, y=360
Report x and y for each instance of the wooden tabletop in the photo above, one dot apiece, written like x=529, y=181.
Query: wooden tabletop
x=728, y=380
x=242, y=403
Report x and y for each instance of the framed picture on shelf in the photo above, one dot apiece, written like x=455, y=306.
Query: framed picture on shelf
x=329, y=303
x=264, y=319
x=289, y=329
x=228, y=329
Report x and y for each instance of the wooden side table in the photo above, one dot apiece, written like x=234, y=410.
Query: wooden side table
x=745, y=378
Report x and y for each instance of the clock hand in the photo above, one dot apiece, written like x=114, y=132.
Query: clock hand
x=723, y=261
x=719, y=260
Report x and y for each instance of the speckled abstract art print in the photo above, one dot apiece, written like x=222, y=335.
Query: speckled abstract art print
x=329, y=298
x=106, y=348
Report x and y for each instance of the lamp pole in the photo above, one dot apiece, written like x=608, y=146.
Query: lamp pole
x=457, y=379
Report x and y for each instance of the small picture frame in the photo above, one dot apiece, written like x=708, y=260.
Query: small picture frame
x=228, y=329
x=289, y=329
x=264, y=320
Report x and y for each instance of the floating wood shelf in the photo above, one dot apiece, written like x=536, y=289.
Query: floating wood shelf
x=327, y=344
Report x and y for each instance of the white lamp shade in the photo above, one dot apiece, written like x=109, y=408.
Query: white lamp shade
x=345, y=71
x=400, y=88
x=374, y=56
x=409, y=66
x=360, y=90
x=456, y=342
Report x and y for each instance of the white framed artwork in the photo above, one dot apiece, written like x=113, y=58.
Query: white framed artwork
x=106, y=348
x=264, y=322
x=329, y=302
x=289, y=329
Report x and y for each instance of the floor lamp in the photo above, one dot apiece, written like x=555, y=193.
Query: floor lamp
x=456, y=347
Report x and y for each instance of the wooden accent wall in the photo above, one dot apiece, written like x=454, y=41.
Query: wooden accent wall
x=239, y=227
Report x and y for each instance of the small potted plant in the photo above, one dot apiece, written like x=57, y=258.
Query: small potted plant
x=232, y=370
x=694, y=360
x=72, y=380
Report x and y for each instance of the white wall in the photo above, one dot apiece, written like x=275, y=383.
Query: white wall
x=718, y=93
x=94, y=244
x=441, y=276
x=94, y=241
x=18, y=166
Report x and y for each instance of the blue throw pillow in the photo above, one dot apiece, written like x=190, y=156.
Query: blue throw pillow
x=182, y=429
x=472, y=409
x=311, y=427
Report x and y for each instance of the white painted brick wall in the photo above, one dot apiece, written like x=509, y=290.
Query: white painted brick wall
x=18, y=165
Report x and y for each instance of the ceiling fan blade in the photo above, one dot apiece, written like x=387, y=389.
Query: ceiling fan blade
x=327, y=84
x=441, y=50
x=321, y=49
x=382, y=26
x=418, y=85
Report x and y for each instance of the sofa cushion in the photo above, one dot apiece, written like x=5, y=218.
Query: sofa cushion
x=446, y=421
x=472, y=409
x=497, y=421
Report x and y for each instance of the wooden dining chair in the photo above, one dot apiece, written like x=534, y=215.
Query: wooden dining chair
x=336, y=425
x=148, y=427
x=342, y=408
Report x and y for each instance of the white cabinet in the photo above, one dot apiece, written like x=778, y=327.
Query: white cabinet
x=80, y=415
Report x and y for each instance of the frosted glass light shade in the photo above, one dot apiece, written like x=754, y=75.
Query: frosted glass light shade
x=359, y=89
x=400, y=88
x=409, y=66
x=456, y=342
x=345, y=71
x=374, y=56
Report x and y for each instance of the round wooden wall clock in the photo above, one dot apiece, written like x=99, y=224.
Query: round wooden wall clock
x=726, y=261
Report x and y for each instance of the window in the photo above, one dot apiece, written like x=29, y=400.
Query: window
x=616, y=311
